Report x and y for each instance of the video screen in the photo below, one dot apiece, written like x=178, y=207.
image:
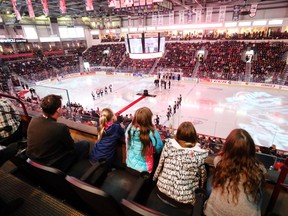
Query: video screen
x=151, y=45
x=135, y=45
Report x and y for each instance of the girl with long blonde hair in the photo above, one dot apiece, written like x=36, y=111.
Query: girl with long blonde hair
x=110, y=134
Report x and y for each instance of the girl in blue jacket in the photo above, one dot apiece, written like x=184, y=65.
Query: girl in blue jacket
x=142, y=141
x=110, y=134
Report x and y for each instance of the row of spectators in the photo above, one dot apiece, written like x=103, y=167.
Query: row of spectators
x=75, y=47
x=214, y=35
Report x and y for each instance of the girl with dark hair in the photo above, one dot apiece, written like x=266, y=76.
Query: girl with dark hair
x=237, y=179
x=181, y=168
x=110, y=134
x=141, y=140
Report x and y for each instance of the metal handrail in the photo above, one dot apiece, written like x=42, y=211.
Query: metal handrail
x=22, y=105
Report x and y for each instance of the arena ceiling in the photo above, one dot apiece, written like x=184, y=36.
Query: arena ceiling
x=77, y=8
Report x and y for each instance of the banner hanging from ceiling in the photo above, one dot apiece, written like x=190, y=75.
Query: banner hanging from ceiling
x=209, y=12
x=30, y=8
x=171, y=18
x=45, y=7
x=89, y=5
x=160, y=19
x=154, y=19
x=181, y=16
x=222, y=14
x=62, y=6
x=189, y=16
x=198, y=15
x=253, y=10
x=236, y=13
x=17, y=13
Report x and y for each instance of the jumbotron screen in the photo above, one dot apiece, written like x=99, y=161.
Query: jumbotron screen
x=137, y=43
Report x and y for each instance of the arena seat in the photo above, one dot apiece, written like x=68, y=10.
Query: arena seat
x=119, y=183
x=98, y=201
x=280, y=185
x=24, y=170
x=143, y=200
x=53, y=181
x=267, y=159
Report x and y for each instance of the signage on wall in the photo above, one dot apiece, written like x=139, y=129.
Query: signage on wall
x=13, y=40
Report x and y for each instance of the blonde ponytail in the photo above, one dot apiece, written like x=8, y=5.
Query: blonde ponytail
x=106, y=116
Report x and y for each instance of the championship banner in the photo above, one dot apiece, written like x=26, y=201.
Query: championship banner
x=236, y=13
x=209, y=11
x=189, y=16
x=171, y=18
x=62, y=6
x=45, y=7
x=140, y=21
x=18, y=15
x=181, y=16
x=30, y=8
x=160, y=19
x=89, y=5
x=130, y=21
x=222, y=13
x=110, y=21
x=253, y=10
x=198, y=15
x=154, y=20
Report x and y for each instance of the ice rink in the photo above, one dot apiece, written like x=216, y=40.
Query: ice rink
x=214, y=109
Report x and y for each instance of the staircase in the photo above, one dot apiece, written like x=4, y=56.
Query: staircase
x=22, y=80
x=248, y=71
x=285, y=75
x=195, y=71
x=123, y=59
x=154, y=66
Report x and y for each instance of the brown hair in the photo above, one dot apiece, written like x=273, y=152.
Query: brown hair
x=186, y=132
x=50, y=104
x=143, y=120
x=238, y=162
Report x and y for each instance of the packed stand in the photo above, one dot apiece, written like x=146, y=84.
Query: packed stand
x=180, y=56
x=136, y=65
x=114, y=56
x=223, y=61
x=94, y=55
x=269, y=64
